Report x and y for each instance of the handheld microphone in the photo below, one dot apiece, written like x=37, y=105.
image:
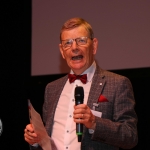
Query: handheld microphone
x=79, y=96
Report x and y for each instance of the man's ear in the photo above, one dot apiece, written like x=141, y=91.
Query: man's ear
x=61, y=51
x=95, y=45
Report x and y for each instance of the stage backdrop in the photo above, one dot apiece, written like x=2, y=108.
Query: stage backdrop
x=122, y=28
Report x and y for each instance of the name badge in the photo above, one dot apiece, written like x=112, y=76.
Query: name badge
x=96, y=113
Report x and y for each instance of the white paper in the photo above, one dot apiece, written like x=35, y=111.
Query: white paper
x=39, y=129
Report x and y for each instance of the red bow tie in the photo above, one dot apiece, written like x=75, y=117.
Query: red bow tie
x=73, y=77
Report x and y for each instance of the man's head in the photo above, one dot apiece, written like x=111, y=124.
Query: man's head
x=76, y=22
x=78, y=46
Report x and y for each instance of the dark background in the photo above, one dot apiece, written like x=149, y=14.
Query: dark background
x=17, y=85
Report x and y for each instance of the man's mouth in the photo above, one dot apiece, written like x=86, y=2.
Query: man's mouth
x=79, y=57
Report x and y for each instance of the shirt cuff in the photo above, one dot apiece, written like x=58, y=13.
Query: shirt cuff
x=35, y=145
x=91, y=131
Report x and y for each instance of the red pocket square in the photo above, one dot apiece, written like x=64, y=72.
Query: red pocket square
x=102, y=99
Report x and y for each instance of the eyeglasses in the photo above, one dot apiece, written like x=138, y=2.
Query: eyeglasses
x=66, y=44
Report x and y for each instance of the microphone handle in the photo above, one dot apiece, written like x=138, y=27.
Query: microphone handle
x=79, y=126
x=79, y=129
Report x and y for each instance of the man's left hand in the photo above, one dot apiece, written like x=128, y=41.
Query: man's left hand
x=82, y=114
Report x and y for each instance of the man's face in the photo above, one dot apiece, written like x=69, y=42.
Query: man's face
x=78, y=57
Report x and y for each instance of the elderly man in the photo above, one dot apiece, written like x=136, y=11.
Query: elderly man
x=111, y=95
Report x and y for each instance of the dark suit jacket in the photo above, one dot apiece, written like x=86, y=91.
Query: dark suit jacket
x=118, y=125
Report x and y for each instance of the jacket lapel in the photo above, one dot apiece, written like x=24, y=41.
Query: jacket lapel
x=53, y=105
x=96, y=87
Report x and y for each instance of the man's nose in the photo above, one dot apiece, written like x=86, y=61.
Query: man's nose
x=74, y=47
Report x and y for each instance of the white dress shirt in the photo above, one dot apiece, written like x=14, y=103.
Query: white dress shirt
x=64, y=128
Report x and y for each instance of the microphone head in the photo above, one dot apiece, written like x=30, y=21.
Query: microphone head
x=79, y=95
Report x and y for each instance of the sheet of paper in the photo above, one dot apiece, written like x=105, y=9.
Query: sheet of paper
x=39, y=129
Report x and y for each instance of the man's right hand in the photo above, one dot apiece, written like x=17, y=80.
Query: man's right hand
x=30, y=136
